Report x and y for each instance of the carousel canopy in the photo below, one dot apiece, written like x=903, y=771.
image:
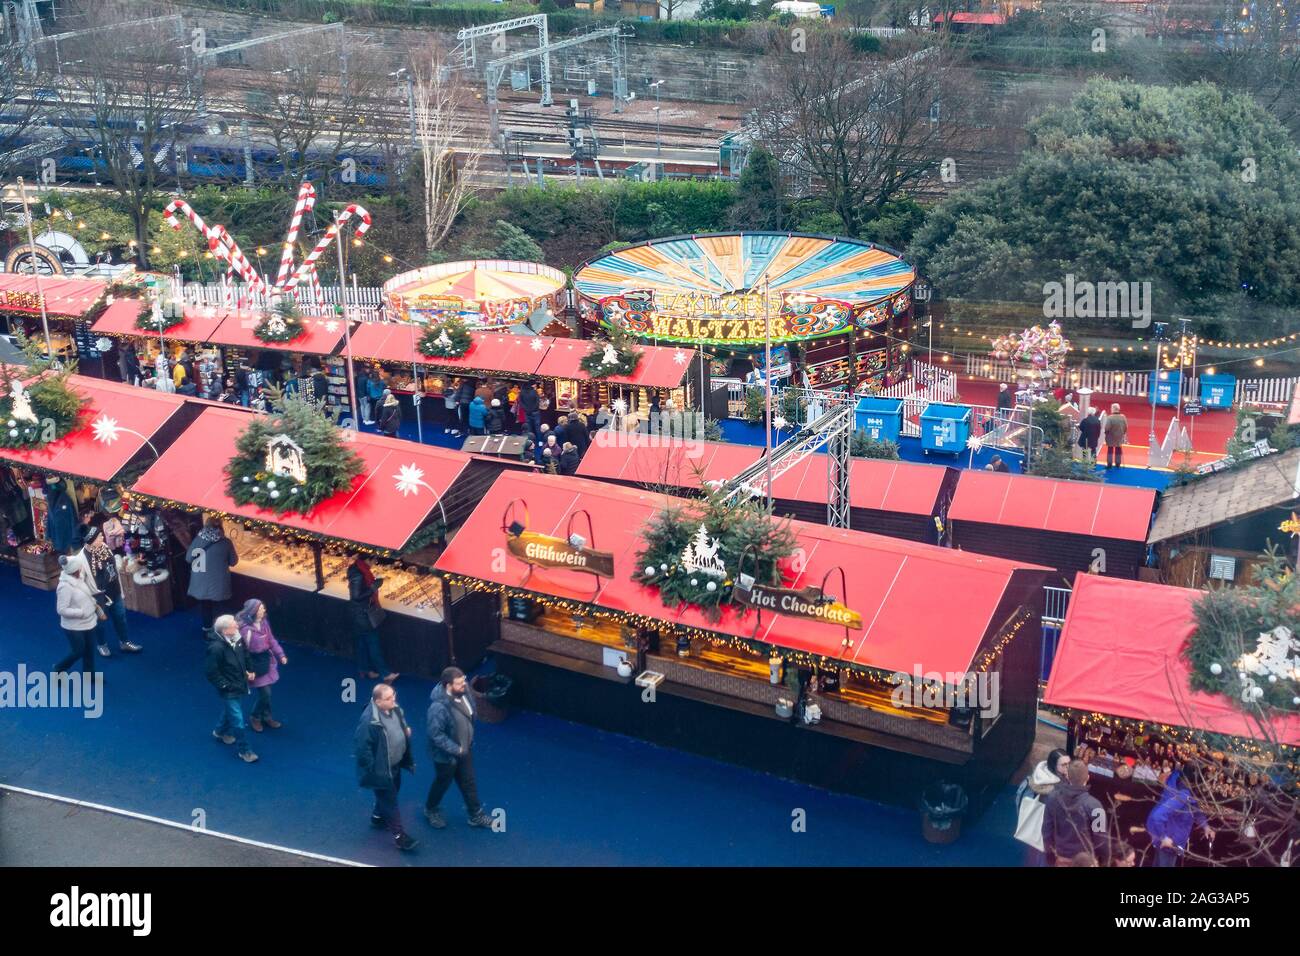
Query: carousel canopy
x=497, y=291
x=398, y=490
x=891, y=583
x=1047, y=504
x=117, y=422
x=64, y=296
x=1120, y=654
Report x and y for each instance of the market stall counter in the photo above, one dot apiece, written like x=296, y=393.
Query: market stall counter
x=578, y=626
x=406, y=501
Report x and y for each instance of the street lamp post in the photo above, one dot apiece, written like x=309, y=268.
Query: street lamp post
x=347, y=328
x=1155, y=386
x=767, y=387
x=658, y=141
x=36, y=270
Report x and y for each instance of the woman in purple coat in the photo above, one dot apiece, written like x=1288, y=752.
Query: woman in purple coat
x=266, y=656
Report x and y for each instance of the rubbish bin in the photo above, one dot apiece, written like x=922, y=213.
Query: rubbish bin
x=880, y=418
x=489, y=693
x=945, y=428
x=943, y=805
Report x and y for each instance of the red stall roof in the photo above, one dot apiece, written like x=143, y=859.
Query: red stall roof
x=984, y=19
x=1120, y=654
x=1048, y=504
x=660, y=367
x=116, y=424
x=891, y=583
x=376, y=512
x=119, y=319
x=488, y=351
x=64, y=295
x=236, y=330
x=660, y=461
x=898, y=486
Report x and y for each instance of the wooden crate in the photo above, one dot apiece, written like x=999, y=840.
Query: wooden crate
x=39, y=570
x=154, y=600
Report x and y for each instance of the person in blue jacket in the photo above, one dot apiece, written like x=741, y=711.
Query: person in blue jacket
x=1170, y=823
x=478, y=416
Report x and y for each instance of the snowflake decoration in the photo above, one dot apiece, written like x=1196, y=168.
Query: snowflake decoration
x=536, y=345
x=779, y=422
x=620, y=406
x=331, y=325
x=410, y=478
x=680, y=357
x=106, y=429
x=975, y=442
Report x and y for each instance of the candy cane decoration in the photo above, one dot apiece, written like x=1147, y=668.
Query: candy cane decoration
x=306, y=200
x=309, y=264
x=220, y=243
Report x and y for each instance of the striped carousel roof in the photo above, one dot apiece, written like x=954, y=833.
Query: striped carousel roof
x=479, y=280
x=716, y=265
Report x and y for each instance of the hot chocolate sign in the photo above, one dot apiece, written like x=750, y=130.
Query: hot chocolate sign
x=809, y=602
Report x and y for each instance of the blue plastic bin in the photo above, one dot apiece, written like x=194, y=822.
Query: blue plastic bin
x=881, y=418
x=945, y=428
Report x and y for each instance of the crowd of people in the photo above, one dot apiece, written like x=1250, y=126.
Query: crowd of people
x=1089, y=431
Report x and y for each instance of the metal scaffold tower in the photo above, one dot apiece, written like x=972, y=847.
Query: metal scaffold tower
x=831, y=429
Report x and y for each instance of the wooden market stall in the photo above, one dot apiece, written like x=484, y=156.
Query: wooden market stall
x=67, y=300
x=1068, y=525
x=396, y=514
x=575, y=642
x=1121, y=678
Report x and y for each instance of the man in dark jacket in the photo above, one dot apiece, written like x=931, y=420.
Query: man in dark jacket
x=495, y=418
x=365, y=611
x=576, y=432
x=569, y=459
x=1005, y=402
x=211, y=556
x=532, y=405
x=451, y=738
x=1074, y=821
x=382, y=746
x=1090, y=433
x=228, y=670
x=60, y=516
x=464, y=396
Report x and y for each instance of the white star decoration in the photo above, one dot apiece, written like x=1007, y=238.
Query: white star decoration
x=975, y=443
x=106, y=429
x=536, y=345
x=620, y=406
x=331, y=325
x=410, y=479
x=679, y=357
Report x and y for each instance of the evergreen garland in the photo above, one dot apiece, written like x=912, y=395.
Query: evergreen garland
x=171, y=317
x=628, y=355
x=1229, y=622
x=331, y=465
x=55, y=403
x=449, y=338
x=282, y=324
x=737, y=529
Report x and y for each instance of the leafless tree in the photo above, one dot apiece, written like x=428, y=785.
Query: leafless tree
x=135, y=84
x=321, y=98
x=20, y=109
x=861, y=131
x=446, y=146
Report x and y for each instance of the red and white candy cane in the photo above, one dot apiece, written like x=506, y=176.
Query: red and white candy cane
x=309, y=264
x=220, y=243
x=306, y=200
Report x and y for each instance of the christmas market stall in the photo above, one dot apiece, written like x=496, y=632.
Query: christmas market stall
x=895, y=498
x=841, y=308
x=1149, y=694
x=154, y=328
x=1068, y=525
x=479, y=292
x=808, y=651
x=302, y=500
x=68, y=443
x=443, y=353
x=66, y=300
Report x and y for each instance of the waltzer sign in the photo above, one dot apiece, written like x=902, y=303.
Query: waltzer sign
x=544, y=551
x=807, y=602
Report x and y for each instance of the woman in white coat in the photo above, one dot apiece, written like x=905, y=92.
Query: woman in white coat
x=79, y=612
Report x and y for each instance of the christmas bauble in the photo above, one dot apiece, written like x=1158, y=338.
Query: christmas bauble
x=275, y=494
x=711, y=586
x=649, y=571
x=1216, y=669
x=695, y=583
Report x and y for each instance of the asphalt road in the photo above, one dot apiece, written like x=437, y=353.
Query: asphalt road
x=37, y=831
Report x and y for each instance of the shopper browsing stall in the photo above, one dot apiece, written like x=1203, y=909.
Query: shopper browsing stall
x=210, y=557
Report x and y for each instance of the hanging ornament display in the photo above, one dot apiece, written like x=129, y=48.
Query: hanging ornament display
x=281, y=324
x=1037, y=353
x=617, y=355
x=37, y=412
x=156, y=317
x=449, y=338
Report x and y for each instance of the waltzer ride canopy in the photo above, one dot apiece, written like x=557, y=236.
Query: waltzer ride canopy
x=1052, y=522
x=710, y=289
x=117, y=424
x=483, y=292
x=892, y=584
x=1120, y=654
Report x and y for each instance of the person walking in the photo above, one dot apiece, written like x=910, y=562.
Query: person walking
x=451, y=738
x=60, y=516
x=390, y=414
x=105, y=572
x=375, y=389
x=382, y=748
x=367, y=615
x=1042, y=780
x=228, y=670
x=1116, y=435
x=211, y=556
x=265, y=655
x=1090, y=433
x=531, y=403
x=1074, y=821
x=79, y=612
x=569, y=459
x=478, y=416
x=1171, y=821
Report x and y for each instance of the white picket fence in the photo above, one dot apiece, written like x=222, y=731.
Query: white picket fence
x=363, y=302
x=927, y=383
x=1133, y=383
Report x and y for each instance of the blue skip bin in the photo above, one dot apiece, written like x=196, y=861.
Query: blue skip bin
x=945, y=428
x=1165, y=388
x=880, y=418
x=1218, y=391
